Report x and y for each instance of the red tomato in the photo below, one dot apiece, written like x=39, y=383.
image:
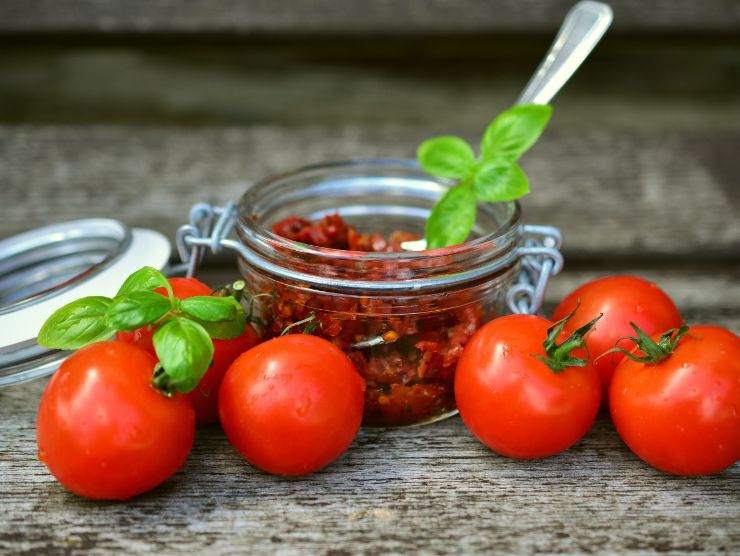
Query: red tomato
x=205, y=396
x=622, y=299
x=183, y=288
x=292, y=405
x=512, y=401
x=104, y=431
x=682, y=415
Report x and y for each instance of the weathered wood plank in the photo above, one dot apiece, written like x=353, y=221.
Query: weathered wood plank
x=700, y=293
x=611, y=191
x=448, y=83
x=303, y=17
x=432, y=489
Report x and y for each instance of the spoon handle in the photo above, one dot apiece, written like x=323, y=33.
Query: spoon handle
x=582, y=29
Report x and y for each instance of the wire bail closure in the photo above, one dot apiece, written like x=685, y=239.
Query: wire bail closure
x=541, y=259
x=192, y=239
x=539, y=255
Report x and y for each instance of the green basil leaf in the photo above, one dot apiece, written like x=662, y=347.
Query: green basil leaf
x=222, y=317
x=227, y=329
x=446, y=156
x=77, y=324
x=136, y=309
x=145, y=279
x=514, y=131
x=452, y=218
x=498, y=180
x=210, y=308
x=185, y=352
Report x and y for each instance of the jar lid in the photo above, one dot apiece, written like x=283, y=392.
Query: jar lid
x=46, y=268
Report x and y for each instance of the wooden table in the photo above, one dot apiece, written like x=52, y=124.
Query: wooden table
x=433, y=489
x=139, y=112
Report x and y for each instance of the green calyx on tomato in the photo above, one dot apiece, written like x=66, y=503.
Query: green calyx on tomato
x=184, y=328
x=558, y=355
x=653, y=352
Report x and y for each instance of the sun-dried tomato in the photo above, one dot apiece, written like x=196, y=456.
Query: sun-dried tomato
x=409, y=378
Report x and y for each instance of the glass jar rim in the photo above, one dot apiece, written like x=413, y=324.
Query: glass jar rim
x=249, y=223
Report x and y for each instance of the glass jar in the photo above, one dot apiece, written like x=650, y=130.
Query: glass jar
x=403, y=318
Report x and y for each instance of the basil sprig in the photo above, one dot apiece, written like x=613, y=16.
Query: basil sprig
x=185, y=327
x=493, y=176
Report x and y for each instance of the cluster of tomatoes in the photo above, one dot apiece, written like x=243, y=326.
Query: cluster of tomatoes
x=673, y=391
x=525, y=386
x=290, y=405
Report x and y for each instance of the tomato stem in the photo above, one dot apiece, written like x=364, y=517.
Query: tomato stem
x=235, y=290
x=653, y=352
x=557, y=356
x=161, y=381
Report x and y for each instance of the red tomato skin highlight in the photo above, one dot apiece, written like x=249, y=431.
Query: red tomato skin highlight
x=205, y=395
x=513, y=402
x=682, y=416
x=104, y=431
x=292, y=405
x=621, y=299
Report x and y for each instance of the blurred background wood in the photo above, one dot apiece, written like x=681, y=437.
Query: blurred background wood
x=350, y=17
x=137, y=110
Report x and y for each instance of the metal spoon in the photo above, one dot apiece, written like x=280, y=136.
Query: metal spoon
x=582, y=29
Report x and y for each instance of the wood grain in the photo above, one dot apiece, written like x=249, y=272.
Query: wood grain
x=449, y=83
x=612, y=192
x=301, y=17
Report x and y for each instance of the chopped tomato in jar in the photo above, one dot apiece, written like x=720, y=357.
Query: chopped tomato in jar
x=409, y=374
x=330, y=231
x=333, y=232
